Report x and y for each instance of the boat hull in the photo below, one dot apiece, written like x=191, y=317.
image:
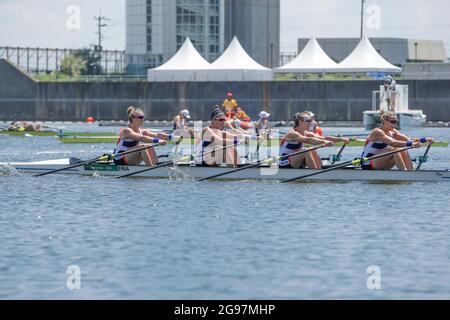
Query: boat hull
x=260, y=173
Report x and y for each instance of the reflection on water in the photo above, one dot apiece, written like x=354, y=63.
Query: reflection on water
x=183, y=239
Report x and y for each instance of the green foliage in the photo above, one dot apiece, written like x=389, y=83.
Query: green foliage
x=81, y=62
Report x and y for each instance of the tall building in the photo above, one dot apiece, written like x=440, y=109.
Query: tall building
x=156, y=29
x=256, y=23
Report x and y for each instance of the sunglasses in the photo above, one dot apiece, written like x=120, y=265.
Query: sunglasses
x=307, y=120
x=140, y=117
x=393, y=121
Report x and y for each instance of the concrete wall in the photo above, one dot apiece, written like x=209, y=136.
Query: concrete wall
x=428, y=71
x=21, y=98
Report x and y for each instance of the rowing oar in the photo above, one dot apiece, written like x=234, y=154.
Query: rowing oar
x=171, y=162
x=338, y=156
x=356, y=162
x=259, y=162
x=423, y=158
x=101, y=158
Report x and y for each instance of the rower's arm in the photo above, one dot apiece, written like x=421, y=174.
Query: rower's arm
x=381, y=136
x=160, y=135
x=400, y=136
x=295, y=136
x=130, y=134
x=328, y=138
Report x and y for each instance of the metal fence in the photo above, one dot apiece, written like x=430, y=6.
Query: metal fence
x=46, y=60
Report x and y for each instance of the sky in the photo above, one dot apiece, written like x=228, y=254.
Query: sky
x=55, y=23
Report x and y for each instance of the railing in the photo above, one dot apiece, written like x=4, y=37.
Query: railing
x=46, y=60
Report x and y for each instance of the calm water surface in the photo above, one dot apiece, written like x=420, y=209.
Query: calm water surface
x=175, y=239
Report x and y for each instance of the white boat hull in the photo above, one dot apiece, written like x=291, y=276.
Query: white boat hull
x=261, y=173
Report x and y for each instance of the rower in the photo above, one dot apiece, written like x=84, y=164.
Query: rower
x=215, y=136
x=386, y=139
x=22, y=126
x=180, y=124
x=133, y=137
x=294, y=140
x=314, y=125
x=242, y=120
x=262, y=125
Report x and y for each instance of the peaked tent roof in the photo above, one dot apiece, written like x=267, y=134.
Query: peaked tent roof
x=365, y=59
x=186, y=58
x=236, y=58
x=311, y=59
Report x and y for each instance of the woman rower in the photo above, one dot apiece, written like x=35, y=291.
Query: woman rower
x=215, y=136
x=134, y=137
x=386, y=139
x=294, y=140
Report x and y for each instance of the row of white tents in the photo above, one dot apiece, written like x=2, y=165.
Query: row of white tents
x=236, y=65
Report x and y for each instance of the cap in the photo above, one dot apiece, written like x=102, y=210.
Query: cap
x=263, y=115
x=312, y=115
x=185, y=113
x=216, y=113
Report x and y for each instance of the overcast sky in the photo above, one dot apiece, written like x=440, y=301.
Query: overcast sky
x=44, y=23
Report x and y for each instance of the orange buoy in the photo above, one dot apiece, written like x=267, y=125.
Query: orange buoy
x=89, y=120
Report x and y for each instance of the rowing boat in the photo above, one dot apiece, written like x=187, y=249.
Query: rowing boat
x=259, y=173
x=113, y=139
x=55, y=133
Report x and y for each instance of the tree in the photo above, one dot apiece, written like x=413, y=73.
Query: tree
x=73, y=65
x=81, y=62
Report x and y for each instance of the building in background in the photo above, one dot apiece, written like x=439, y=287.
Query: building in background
x=156, y=29
x=396, y=50
x=256, y=23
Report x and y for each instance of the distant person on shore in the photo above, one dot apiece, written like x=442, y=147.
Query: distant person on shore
x=133, y=137
x=386, y=139
x=229, y=106
x=25, y=126
x=390, y=90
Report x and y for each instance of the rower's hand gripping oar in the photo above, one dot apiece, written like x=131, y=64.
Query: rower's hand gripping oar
x=423, y=159
x=268, y=160
x=356, y=162
x=338, y=156
x=101, y=158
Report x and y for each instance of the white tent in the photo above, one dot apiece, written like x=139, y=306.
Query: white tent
x=236, y=65
x=365, y=59
x=312, y=59
x=183, y=66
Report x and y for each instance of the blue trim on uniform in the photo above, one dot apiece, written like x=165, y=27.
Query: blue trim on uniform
x=293, y=146
x=379, y=145
x=130, y=144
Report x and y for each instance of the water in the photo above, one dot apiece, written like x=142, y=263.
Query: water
x=175, y=239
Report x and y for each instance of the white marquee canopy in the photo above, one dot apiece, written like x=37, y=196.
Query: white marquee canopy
x=183, y=66
x=312, y=59
x=365, y=58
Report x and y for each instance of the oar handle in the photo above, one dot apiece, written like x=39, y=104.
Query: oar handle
x=423, y=159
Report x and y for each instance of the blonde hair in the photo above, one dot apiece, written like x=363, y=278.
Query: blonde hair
x=133, y=111
x=384, y=114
